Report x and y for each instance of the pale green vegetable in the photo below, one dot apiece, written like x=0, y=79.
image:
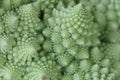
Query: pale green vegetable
x=59, y=39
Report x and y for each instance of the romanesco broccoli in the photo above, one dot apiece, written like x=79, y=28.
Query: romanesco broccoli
x=59, y=40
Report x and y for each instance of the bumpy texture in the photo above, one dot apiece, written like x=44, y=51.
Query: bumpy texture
x=9, y=71
x=29, y=19
x=73, y=25
x=107, y=15
x=26, y=49
x=6, y=43
x=73, y=31
x=10, y=20
x=11, y=4
x=103, y=11
x=59, y=40
x=43, y=70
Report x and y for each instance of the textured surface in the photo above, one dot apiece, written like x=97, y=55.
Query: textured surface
x=59, y=39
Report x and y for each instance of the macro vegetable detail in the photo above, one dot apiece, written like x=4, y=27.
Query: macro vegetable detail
x=59, y=40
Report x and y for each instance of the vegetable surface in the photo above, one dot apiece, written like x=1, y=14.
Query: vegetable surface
x=59, y=40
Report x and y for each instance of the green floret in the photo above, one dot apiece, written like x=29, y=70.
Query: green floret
x=97, y=71
x=111, y=50
x=6, y=43
x=67, y=77
x=25, y=49
x=47, y=32
x=96, y=55
x=78, y=75
x=72, y=67
x=102, y=73
x=72, y=31
x=10, y=21
x=42, y=70
x=105, y=63
x=11, y=72
x=47, y=45
x=29, y=18
x=85, y=65
x=73, y=26
x=82, y=53
x=64, y=59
